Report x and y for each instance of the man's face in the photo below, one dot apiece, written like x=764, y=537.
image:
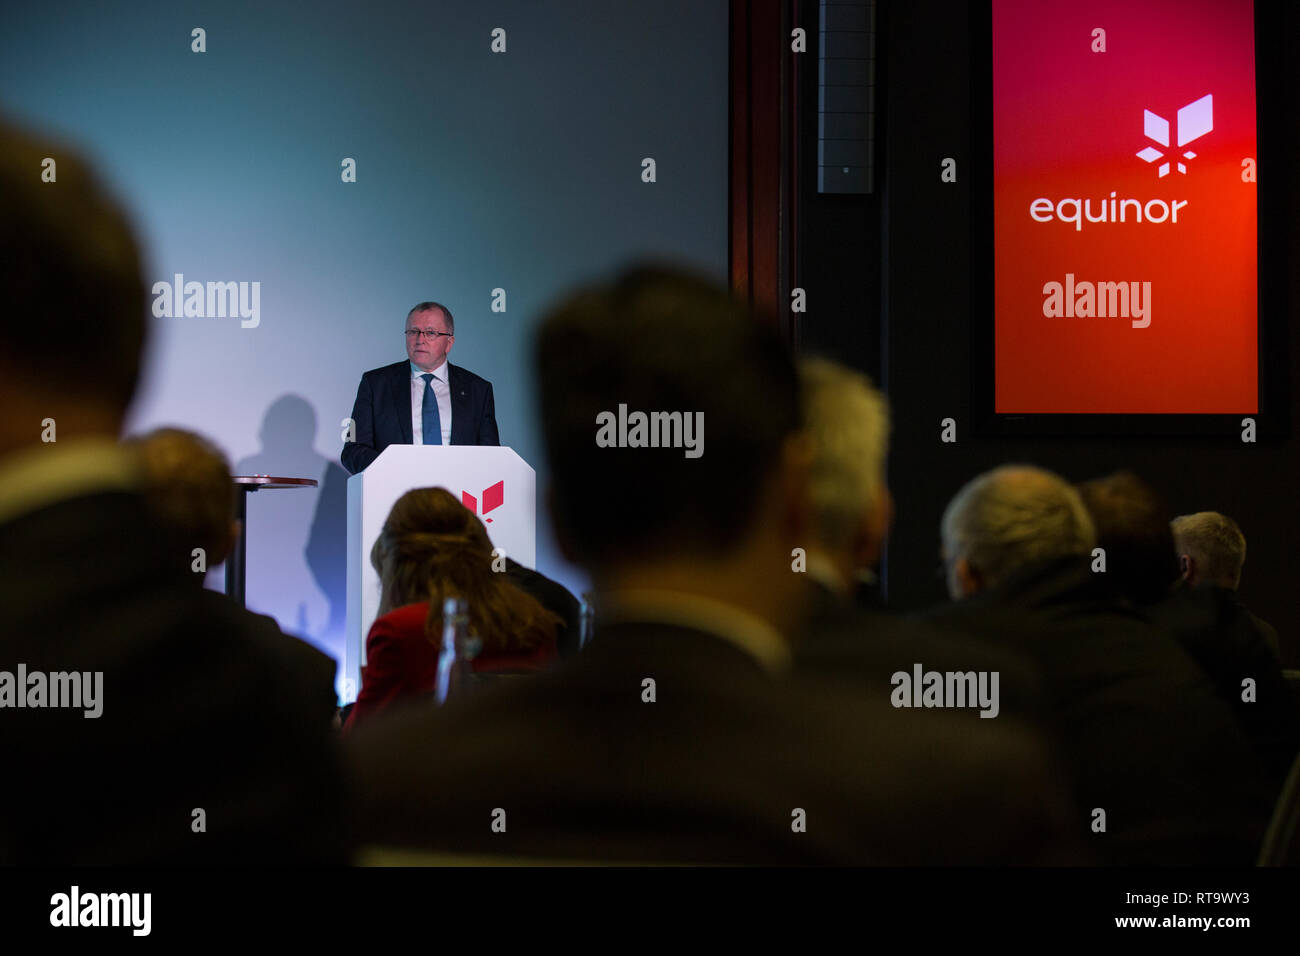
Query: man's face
x=427, y=351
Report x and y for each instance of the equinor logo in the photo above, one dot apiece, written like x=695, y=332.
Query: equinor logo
x=494, y=497
x=1194, y=121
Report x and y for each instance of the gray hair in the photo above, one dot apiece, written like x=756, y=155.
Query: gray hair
x=847, y=420
x=429, y=307
x=1215, y=542
x=1014, y=516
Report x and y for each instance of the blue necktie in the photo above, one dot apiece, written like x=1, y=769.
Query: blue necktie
x=431, y=422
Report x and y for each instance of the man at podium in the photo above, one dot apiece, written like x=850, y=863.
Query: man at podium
x=423, y=401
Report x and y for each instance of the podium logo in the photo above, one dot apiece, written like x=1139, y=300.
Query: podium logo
x=494, y=497
x=1194, y=121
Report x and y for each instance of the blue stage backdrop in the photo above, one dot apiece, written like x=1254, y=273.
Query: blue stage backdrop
x=475, y=170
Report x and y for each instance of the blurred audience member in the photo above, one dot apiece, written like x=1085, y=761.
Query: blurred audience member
x=677, y=734
x=1132, y=523
x=847, y=421
x=1237, y=649
x=848, y=638
x=431, y=548
x=1211, y=550
x=1163, y=773
x=188, y=484
x=1211, y=553
x=198, y=746
x=1007, y=520
x=187, y=481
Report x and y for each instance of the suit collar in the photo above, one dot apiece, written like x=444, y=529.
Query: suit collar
x=461, y=423
x=440, y=373
x=654, y=647
x=744, y=630
x=399, y=387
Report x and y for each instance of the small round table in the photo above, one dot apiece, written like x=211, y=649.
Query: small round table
x=246, y=484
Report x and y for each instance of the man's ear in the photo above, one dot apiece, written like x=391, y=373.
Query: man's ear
x=969, y=579
x=792, y=485
x=1185, y=566
x=869, y=543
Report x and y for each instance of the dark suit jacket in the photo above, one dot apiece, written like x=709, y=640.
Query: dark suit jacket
x=866, y=592
x=1267, y=632
x=555, y=597
x=1147, y=737
x=715, y=770
x=847, y=644
x=205, y=706
x=1223, y=637
x=382, y=412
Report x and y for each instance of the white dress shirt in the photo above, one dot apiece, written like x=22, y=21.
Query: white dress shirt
x=441, y=391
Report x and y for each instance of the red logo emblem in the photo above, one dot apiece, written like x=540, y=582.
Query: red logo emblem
x=493, y=497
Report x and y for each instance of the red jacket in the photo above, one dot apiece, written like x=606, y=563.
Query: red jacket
x=401, y=662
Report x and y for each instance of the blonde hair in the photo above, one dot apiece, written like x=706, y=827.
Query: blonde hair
x=1215, y=542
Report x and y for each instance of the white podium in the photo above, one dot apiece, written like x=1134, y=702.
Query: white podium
x=494, y=482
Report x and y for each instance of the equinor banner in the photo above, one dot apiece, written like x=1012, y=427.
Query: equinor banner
x=1124, y=206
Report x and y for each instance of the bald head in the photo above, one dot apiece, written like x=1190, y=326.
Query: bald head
x=1008, y=519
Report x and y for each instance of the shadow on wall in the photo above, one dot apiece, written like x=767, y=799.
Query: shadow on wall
x=297, y=562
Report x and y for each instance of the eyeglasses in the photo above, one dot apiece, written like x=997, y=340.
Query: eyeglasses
x=427, y=333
